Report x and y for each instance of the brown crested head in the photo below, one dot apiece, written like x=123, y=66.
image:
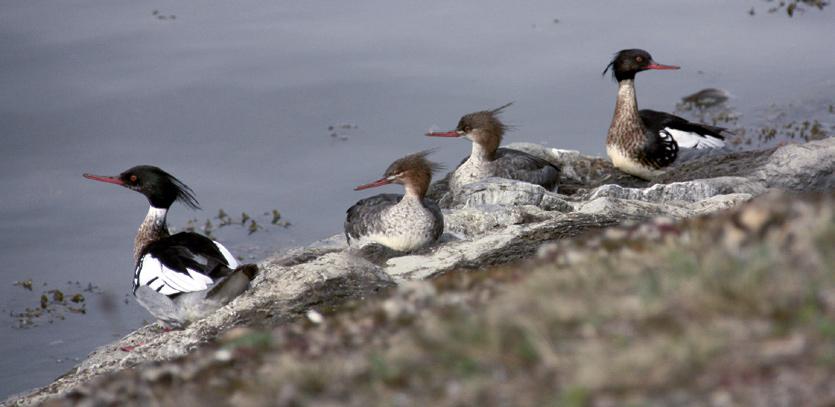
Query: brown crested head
x=484, y=127
x=413, y=171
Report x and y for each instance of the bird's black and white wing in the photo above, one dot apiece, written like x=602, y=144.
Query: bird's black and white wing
x=658, y=150
x=181, y=263
x=686, y=134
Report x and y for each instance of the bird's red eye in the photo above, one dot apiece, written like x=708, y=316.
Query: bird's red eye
x=133, y=179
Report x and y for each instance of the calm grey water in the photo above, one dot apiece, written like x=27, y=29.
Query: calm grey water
x=236, y=100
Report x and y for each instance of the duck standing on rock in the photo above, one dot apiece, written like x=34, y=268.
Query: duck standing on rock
x=182, y=277
x=400, y=222
x=486, y=131
x=642, y=142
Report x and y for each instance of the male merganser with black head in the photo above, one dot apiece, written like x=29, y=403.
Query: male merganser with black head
x=182, y=277
x=485, y=130
x=643, y=142
x=400, y=222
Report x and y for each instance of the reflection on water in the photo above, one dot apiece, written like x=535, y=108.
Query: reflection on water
x=244, y=101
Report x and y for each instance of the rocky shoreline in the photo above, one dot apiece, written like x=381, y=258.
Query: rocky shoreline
x=496, y=222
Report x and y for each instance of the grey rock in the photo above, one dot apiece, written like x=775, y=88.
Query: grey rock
x=633, y=210
x=719, y=203
x=797, y=167
x=688, y=191
x=301, y=255
x=801, y=167
x=475, y=221
x=506, y=244
x=505, y=192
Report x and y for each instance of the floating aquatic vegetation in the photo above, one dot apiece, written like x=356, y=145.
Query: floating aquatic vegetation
x=341, y=132
x=160, y=16
x=208, y=227
x=779, y=124
x=802, y=122
x=53, y=304
x=277, y=218
x=792, y=7
x=27, y=284
x=252, y=225
x=795, y=130
x=225, y=220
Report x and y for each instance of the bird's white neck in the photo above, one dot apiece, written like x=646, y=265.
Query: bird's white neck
x=152, y=228
x=413, y=193
x=480, y=154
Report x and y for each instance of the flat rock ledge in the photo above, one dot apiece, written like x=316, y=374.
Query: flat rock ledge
x=492, y=222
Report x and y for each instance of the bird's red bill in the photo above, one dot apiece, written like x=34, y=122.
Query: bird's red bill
x=443, y=134
x=111, y=180
x=661, y=66
x=377, y=183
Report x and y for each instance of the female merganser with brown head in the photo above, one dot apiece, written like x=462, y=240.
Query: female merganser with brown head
x=400, y=222
x=643, y=142
x=486, y=131
x=182, y=277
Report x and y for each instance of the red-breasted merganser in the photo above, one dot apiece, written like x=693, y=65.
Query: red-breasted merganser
x=643, y=142
x=400, y=222
x=182, y=277
x=485, y=130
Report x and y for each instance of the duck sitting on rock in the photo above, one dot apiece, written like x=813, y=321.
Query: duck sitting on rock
x=487, y=159
x=400, y=222
x=644, y=142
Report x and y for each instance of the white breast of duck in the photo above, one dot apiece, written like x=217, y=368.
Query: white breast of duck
x=401, y=222
x=475, y=168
